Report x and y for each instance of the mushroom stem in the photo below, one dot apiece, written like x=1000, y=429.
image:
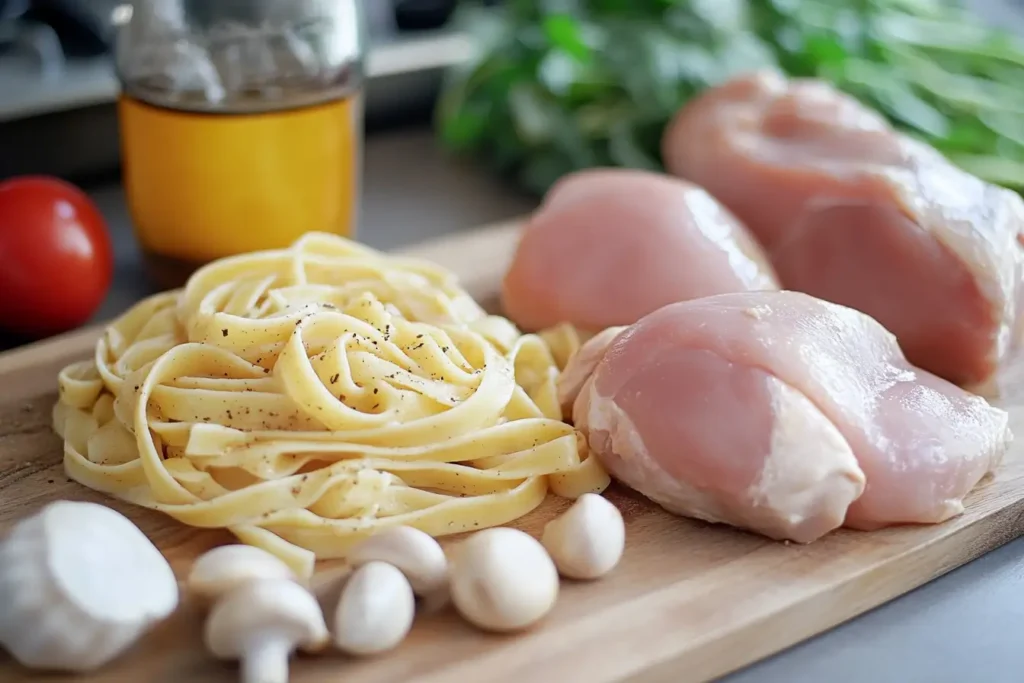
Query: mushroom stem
x=266, y=659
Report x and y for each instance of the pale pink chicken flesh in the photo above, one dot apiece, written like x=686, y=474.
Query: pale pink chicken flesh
x=853, y=212
x=608, y=246
x=772, y=410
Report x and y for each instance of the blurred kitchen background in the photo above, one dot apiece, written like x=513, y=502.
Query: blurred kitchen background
x=58, y=88
x=58, y=116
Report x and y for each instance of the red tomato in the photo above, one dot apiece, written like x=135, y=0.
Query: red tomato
x=56, y=262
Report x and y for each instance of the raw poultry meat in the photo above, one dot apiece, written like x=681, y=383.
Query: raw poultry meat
x=608, y=246
x=853, y=212
x=784, y=414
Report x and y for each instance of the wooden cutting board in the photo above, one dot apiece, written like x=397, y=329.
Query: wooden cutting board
x=690, y=601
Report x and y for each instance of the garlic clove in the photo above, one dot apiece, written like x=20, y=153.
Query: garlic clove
x=376, y=610
x=79, y=584
x=588, y=539
x=502, y=579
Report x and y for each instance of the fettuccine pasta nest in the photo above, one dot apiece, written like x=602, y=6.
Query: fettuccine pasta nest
x=305, y=398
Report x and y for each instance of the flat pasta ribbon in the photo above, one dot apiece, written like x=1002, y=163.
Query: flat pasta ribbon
x=305, y=398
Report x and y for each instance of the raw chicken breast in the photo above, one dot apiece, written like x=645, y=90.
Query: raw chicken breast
x=607, y=247
x=855, y=213
x=769, y=410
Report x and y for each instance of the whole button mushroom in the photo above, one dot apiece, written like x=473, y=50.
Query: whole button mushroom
x=502, y=580
x=376, y=610
x=224, y=568
x=262, y=622
x=79, y=584
x=587, y=540
x=416, y=553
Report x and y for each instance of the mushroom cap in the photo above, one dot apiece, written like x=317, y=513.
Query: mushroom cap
x=265, y=608
x=221, y=570
x=502, y=579
x=588, y=539
x=416, y=553
x=375, y=611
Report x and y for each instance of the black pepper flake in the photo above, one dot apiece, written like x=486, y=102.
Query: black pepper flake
x=375, y=390
x=375, y=406
x=334, y=378
x=224, y=332
x=49, y=481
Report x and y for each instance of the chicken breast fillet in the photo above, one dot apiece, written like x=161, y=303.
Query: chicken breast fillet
x=853, y=212
x=784, y=414
x=609, y=246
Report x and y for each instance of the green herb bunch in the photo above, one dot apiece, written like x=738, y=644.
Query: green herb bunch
x=560, y=85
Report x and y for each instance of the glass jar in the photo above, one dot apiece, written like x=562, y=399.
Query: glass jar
x=241, y=125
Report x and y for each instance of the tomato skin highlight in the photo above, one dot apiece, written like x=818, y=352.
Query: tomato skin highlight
x=56, y=258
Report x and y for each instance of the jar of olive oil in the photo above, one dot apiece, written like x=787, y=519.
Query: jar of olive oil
x=241, y=124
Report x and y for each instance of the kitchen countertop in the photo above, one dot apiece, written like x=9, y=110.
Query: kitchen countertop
x=962, y=628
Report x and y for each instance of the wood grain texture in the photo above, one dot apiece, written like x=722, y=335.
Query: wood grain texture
x=690, y=601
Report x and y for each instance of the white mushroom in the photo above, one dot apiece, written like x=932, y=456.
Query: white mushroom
x=586, y=542
x=222, y=569
x=375, y=611
x=262, y=622
x=415, y=552
x=79, y=584
x=502, y=579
